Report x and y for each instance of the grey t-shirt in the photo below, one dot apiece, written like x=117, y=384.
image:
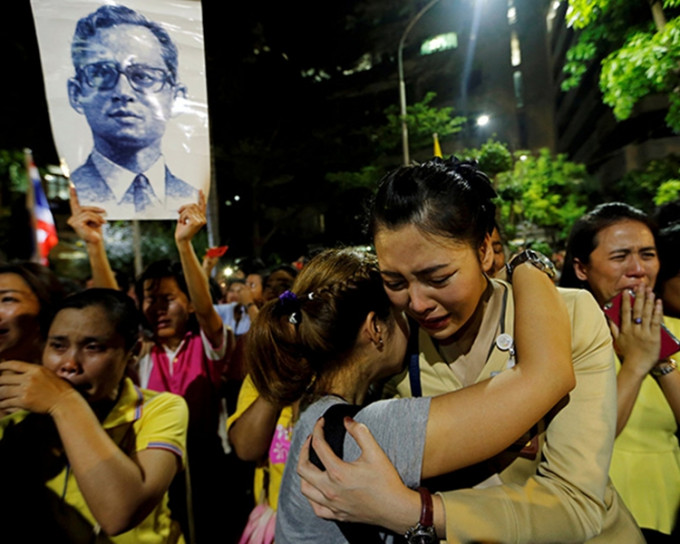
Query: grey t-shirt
x=399, y=427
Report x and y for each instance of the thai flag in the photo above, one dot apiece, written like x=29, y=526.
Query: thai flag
x=45, y=230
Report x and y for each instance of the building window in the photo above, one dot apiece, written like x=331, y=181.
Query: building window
x=517, y=82
x=512, y=12
x=515, y=53
x=442, y=42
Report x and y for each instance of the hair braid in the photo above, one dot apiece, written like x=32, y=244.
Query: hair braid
x=285, y=359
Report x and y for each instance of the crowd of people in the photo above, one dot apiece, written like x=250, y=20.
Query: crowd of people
x=429, y=391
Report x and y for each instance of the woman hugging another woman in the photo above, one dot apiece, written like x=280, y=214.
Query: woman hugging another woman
x=335, y=333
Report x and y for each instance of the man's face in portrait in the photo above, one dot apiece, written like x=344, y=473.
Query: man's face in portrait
x=123, y=87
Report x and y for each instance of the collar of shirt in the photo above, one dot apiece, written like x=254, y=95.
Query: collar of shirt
x=119, y=179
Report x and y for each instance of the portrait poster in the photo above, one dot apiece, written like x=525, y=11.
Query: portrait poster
x=126, y=90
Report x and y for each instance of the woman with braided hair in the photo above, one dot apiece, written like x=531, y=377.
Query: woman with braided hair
x=324, y=342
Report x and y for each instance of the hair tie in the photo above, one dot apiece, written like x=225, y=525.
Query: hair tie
x=289, y=303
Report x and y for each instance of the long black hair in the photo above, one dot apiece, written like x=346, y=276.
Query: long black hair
x=583, y=236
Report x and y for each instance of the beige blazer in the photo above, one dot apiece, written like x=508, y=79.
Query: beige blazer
x=558, y=489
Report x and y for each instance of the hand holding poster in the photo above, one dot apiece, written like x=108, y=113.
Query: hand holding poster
x=129, y=118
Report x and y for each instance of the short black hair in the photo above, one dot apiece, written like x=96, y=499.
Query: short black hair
x=156, y=271
x=119, y=307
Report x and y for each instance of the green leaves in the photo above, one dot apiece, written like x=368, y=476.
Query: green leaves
x=547, y=191
x=668, y=191
x=641, y=51
x=582, y=13
x=494, y=157
x=641, y=187
x=647, y=63
x=422, y=120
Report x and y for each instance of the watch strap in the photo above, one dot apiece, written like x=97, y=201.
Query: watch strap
x=536, y=258
x=426, y=511
x=423, y=532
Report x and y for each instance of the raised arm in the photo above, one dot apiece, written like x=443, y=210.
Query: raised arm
x=208, y=265
x=88, y=221
x=245, y=299
x=119, y=490
x=191, y=221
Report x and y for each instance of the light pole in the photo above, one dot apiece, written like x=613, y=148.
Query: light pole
x=402, y=85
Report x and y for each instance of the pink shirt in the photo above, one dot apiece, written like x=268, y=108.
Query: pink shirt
x=194, y=373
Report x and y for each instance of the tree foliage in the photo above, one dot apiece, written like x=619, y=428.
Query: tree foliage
x=423, y=120
x=15, y=235
x=668, y=191
x=157, y=242
x=641, y=188
x=640, y=46
x=493, y=157
x=646, y=64
x=546, y=191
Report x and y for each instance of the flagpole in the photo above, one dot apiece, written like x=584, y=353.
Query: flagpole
x=137, y=246
x=402, y=83
x=30, y=205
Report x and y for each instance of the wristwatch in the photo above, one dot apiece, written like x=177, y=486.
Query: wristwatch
x=423, y=532
x=663, y=367
x=539, y=260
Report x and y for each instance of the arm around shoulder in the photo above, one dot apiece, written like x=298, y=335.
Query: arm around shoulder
x=543, y=374
x=564, y=499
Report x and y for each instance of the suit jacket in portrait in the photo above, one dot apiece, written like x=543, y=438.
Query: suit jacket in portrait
x=93, y=189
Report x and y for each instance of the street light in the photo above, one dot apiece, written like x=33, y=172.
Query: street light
x=402, y=85
x=483, y=120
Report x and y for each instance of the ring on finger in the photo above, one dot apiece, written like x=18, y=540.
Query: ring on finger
x=637, y=321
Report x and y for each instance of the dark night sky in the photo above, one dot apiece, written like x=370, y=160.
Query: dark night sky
x=257, y=101
x=274, y=135
x=307, y=37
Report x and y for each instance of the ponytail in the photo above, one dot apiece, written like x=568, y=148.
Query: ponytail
x=300, y=340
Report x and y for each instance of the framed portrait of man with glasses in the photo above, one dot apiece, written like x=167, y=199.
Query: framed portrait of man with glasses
x=125, y=82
